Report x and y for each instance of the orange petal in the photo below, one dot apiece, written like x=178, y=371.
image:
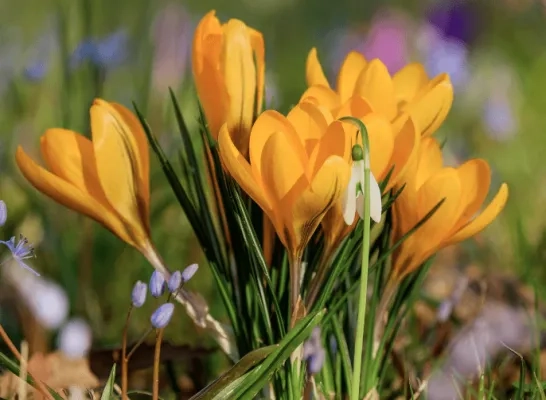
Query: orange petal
x=322, y=95
x=350, y=70
x=430, y=160
x=310, y=123
x=240, y=170
x=431, y=106
x=356, y=106
x=485, y=218
x=409, y=81
x=117, y=157
x=475, y=176
x=239, y=74
x=313, y=70
x=69, y=195
x=375, y=85
x=336, y=141
x=381, y=143
x=406, y=146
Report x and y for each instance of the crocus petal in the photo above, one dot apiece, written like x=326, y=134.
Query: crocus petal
x=350, y=70
x=381, y=140
x=310, y=122
x=337, y=140
x=405, y=149
x=356, y=106
x=375, y=85
x=430, y=160
x=69, y=195
x=117, y=156
x=475, y=176
x=375, y=201
x=239, y=73
x=322, y=95
x=257, y=42
x=431, y=106
x=408, y=81
x=240, y=170
x=485, y=218
x=313, y=70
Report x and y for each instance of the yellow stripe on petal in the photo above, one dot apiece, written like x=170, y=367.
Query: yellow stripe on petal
x=313, y=70
x=69, y=195
x=350, y=70
x=485, y=218
x=117, y=154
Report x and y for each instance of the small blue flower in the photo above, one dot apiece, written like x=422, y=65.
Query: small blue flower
x=174, y=281
x=162, y=315
x=20, y=251
x=157, y=284
x=107, y=53
x=138, y=296
x=189, y=272
x=35, y=72
x=3, y=212
x=313, y=352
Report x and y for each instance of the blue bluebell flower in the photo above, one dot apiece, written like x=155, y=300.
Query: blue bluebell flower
x=174, y=281
x=20, y=251
x=157, y=284
x=162, y=315
x=138, y=296
x=189, y=272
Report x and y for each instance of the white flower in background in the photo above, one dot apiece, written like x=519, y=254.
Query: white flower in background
x=75, y=338
x=499, y=118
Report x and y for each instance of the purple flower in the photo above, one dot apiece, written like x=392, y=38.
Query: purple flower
x=455, y=20
x=162, y=315
x=157, y=284
x=189, y=272
x=498, y=117
x=313, y=352
x=138, y=296
x=107, y=53
x=20, y=251
x=174, y=281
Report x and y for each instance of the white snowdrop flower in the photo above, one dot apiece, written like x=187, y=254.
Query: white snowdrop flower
x=75, y=338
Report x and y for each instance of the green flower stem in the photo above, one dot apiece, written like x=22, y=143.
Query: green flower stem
x=361, y=320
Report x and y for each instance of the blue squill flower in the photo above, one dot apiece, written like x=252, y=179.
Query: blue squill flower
x=162, y=316
x=107, y=53
x=36, y=71
x=20, y=251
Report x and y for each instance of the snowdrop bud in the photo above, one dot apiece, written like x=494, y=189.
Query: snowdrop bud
x=48, y=302
x=75, y=338
x=189, y=272
x=357, y=153
x=3, y=213
x=162, y=316
x=138, y=296
x=174, y=281
x=157, y=284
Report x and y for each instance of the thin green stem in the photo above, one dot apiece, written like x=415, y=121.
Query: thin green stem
x=361, y=320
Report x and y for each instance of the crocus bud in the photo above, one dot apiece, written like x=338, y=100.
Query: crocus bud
x=157, y=284
x=162, y=315
x=138, y=297
x=174, y=281
x=189, y=272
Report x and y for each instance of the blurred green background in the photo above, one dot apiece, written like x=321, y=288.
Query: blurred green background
x=55, y=57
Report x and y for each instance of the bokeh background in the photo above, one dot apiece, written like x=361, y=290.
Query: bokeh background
x=56, y=56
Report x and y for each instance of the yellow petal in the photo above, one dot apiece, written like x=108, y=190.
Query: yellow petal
x=485, y=218
x=143, y=154
x=381, y=143
x=310, y=123
x=431, y=106
x=350, y=70
x=69, y=195
x=323, y=193
x=322, y=95
x=117, y=157
x=206, y=54
x=70, y=156
x=430, y=160
x=356, y=106
x=336, y=141
x=444, y=184
x=257, y=42
x=268, y=123
x=313, y=70
x=475, y=176
x=375, y=85
x=406, y=145
x=409, y=81
x=240, y=170
x=239, y=73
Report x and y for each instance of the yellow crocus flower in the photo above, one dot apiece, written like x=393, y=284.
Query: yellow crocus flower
x=427, y=183
x=107, y=179
x=228, y=64
x=408, y=92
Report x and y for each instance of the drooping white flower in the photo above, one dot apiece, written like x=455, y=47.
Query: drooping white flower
x=353, y=197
